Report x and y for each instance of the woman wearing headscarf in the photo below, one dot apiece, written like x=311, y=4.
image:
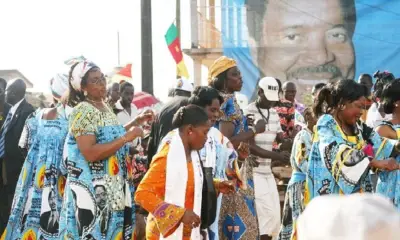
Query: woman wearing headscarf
x=171, y=190
x=38, y=198
x=343, y=151
x=238, y=215
x=98, y=196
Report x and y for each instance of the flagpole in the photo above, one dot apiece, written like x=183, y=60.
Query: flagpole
x=147, y=47
x=119, y=50
x=178, y=25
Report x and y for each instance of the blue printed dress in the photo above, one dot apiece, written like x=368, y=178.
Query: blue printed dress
x=237, y=218
x=294, y=199
x=389, y=182
x=98, y=198
x=218, y=153
x=39, y=193
x=337, y=162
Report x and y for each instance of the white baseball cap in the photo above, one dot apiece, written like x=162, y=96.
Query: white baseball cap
x=270, y=87
x=184, y=85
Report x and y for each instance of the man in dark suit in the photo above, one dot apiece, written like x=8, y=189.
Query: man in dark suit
x=49, y=220
x=84, y=217
x=11, y=158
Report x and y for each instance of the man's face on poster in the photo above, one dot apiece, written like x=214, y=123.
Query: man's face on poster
x=101, y=196
x=306, y=41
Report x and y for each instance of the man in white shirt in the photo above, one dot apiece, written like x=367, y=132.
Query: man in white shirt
x=266, y=191
x=126, y=111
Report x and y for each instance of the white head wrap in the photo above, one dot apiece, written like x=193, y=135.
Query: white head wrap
x=352, y=217
x=59, y=85
x=79, y=72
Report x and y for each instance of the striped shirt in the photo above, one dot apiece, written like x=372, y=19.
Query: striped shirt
x=266, y=139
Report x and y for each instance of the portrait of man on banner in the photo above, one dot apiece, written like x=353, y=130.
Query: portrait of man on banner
x=303, y=41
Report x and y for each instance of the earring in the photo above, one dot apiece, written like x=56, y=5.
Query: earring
x=85, y=93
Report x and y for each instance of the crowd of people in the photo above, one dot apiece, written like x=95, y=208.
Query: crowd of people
x=93, y=166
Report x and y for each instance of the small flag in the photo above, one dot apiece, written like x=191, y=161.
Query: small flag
x=174, y=46
x=126, y=71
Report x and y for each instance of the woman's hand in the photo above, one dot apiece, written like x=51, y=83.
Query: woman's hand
x=390, y=164
x=243, y=151
x=286, y=145
x=387, y=164
x=282, y=156
x=146, y=116
x=191, y=219
x=226, y=187
x=134, y=133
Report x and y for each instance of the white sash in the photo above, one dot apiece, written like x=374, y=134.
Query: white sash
x=177, y=176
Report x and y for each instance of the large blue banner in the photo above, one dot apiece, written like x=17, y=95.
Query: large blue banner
x=310, y=41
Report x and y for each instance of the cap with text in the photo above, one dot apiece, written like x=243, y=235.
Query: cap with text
x=270, y=87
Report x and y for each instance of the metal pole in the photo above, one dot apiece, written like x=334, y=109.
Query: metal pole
x=147, y=49
x=178, y=25
x=119, y=50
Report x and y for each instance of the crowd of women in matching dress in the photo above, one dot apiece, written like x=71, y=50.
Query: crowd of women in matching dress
x=76, y=182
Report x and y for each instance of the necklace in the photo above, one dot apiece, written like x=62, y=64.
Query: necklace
x=93, y=101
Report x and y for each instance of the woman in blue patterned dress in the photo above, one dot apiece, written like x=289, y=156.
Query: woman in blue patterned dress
x=294, y=206
x=343, y=151
x=389, y=182
x=38, y=198
x=98, y=197
x=237, y=219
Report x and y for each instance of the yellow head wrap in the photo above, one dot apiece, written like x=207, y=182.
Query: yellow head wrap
x=219, y=66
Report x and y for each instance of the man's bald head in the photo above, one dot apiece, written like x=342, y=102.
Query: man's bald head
x=15, y=91
x=113, y=92
x=289, y=91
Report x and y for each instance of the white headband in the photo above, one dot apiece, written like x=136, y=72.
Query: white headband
x=79, y=72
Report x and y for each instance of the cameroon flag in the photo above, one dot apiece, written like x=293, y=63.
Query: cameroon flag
x=174, y=46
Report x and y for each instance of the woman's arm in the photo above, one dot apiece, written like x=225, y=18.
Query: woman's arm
x=228, y=130
x=262, y=153
x=386, y=131
x=94, y=152
x=83, y=126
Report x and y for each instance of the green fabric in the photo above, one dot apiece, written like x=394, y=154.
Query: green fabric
x=171, y=34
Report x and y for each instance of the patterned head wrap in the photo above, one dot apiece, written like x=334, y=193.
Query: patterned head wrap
x=79, y=72
x=219, y=66
x=59, y=85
